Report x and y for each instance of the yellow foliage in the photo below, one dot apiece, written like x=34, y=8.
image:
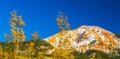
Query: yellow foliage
x=15, y=19
x=71, y=56
x=21, y=23
x=35, y=35
x=1, y=52
x=12, y=24
x=60, y=21
x=14, y=33
x=17, y=32
x=61, y=53
x=5, y=55
x=21, y=35
x=31, y=44
x=67, y=26
x=93, y=56
x=15, y=22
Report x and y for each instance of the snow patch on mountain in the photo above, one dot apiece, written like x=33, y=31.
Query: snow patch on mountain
x=82, y=38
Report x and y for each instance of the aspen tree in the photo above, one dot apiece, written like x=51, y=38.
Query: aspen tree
x=62, y=22
x=17, y=33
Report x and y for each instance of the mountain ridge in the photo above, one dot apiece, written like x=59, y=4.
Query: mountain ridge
x=85, y=38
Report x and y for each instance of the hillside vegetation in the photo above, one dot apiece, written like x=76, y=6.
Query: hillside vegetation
x=17, y=47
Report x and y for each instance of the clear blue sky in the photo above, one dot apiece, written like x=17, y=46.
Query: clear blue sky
x=40, y=15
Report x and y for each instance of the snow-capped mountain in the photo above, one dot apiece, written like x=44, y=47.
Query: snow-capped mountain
x=85, y=38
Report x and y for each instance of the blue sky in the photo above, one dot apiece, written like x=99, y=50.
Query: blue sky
x=40, y=15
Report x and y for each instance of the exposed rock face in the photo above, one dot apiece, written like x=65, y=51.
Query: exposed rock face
x=84, y=38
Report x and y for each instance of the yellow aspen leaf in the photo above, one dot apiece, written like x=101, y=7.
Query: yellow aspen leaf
x=21, y=23
x=12, y=24
x=15, y=19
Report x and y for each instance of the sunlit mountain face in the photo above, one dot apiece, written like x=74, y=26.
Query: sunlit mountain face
x=85, y=38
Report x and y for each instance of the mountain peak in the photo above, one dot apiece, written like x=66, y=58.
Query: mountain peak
x=85, y=38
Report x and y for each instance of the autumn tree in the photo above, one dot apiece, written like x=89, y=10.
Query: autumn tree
x=16, y=24
x=35, y=35
x=17, y=34
x=62, y=22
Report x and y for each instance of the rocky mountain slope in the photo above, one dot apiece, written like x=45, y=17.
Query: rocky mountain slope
x=85, y=38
